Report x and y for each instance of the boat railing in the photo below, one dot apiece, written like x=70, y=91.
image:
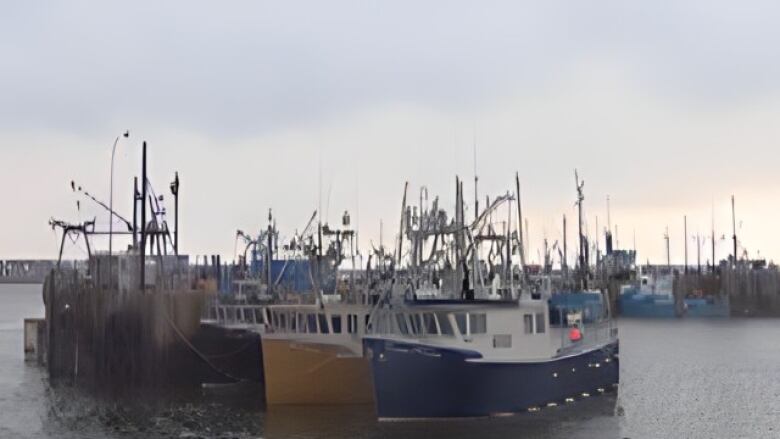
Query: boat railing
x=595, y=333
x=237, y=316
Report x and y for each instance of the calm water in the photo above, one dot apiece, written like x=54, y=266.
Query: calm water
x=678, y=379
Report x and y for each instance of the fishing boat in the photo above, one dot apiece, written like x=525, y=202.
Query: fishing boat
x=498, y=342
x=653, y=297
x=473, y=358
x=312, y=352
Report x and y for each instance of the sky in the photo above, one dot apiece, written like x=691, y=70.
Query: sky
x=668, y=108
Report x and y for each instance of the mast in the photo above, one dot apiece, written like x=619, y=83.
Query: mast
x=520, y=225
x=598, y=251
x=698, y=254
x=609, y=218
x=401, y=231
x=580, y=199
x=458, y=232
x=175, y=190
x=734, y=228
x=269, y=254
x=319, y=255
x=143, y=219
x=713, y=236
x=685, y=240
x=508, y=243
x=462, y=264
x=475, y=244
x=668, y=254
x=564, y=264
x=135, y=211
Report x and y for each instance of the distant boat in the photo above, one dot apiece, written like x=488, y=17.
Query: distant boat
x=653, y=297
x=473, y=358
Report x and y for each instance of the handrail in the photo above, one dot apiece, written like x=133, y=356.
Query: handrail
x=237, y=315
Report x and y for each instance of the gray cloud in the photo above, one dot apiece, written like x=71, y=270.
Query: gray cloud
x=644, y=97
x=246, y=68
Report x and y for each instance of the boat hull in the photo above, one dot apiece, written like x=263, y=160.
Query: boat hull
x=297, y=373
x=413, y=381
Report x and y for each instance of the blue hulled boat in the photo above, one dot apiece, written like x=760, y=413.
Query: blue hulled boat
x=471, y=358
x=653, y=298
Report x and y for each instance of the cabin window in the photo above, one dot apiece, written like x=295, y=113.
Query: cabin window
x=502, y=341
x=283, y=321
x=416, y=324
x=478, y=323
x=528, y=324
x=301, y=323
x=323, y=323
x=460, y=320
x=366, y=319
x=353, y=324
x=275, y=319
x=540, y=326
x=430, y=324
x=293, y=321
x=335, y=322
x=445, y=328
x=402, y=324
x=311, y=321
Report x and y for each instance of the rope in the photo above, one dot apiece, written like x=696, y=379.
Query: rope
x=199, y=354
x=231, y=353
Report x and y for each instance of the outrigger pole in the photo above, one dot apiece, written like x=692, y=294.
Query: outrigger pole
x=401, y=229
x=520, y=227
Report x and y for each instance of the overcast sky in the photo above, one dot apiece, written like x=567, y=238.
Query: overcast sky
x=667, y=107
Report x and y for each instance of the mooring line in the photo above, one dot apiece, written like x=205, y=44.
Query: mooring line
x=200, y=354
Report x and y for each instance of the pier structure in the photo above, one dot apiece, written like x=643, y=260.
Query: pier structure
x=21, y=271
x=120, y=320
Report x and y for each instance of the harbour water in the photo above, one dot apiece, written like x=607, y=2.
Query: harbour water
x=679, y=378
